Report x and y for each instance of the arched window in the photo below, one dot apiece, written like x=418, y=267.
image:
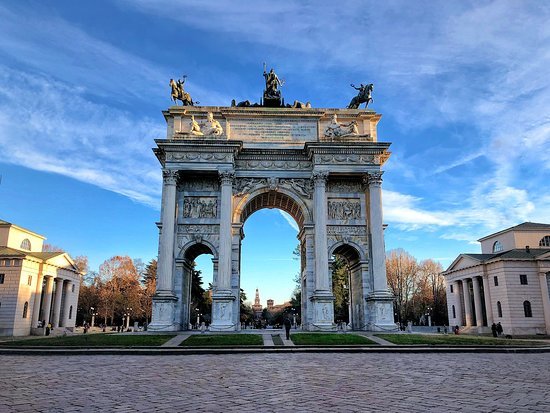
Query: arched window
x=26, y=244
x=70, y=312
x=497, y=246
x=499, y=309
x=25, y=309
x=454, y=312
x=527, y=309
x=545, y=241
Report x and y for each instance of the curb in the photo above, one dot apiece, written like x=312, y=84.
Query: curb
x=167, y=351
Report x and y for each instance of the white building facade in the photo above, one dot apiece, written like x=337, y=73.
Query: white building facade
x=36, y=288
x=325, y=174
x=509, y=282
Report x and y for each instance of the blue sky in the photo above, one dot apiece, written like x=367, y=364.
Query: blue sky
x=463, y=88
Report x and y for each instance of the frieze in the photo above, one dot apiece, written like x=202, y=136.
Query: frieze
x=198, y=229
x=201, y=184
x=267, y=164
x=345, y=186
x=344, y=209
x=347, y=158
x=199, y=157
x=301, y=186
x=196, y=207
x=346, y=230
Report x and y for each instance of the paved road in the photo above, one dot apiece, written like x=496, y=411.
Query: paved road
x=336, y=382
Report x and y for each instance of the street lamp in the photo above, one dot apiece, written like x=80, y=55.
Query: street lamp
x=198, y=318
x=127, y=315
x=92, y=309
x=429, y=317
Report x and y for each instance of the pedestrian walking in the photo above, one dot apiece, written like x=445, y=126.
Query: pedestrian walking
x=494, y=330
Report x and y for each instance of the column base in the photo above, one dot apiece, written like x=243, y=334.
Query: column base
x=163, y=318
x=223, y=318
x=380, y=311
x=323, y=312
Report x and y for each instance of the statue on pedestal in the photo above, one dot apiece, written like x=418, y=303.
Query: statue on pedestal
x=272, y=94
x=364, y=96
x=195, y=127
x=339, y=130
x=211, y=127
x=179, y=94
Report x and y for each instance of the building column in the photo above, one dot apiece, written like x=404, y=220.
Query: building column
x=467, y=303
x=458, y=304
x=488, y=304
x=223, y=317
x=163, y=318
x=66, y=304
x=320, y=221
x=57, y=301
x=380, y=301
x=477, y=302
x=37, y=297
x=544, y=285
x=48, y=299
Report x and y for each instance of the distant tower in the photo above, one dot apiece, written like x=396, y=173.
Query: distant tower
x=257, y=307
x=270, y=304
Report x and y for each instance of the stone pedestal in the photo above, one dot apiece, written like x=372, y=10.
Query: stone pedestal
x=223, y=318
x=323, y=312
x=380, y=308
x=163, y=314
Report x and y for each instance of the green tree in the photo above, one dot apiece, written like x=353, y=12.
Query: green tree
x=340, y=289
x=149, y=282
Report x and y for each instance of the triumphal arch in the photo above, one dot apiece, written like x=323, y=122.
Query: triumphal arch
x=322, y=166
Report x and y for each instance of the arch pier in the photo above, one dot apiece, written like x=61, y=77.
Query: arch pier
x=282, y=158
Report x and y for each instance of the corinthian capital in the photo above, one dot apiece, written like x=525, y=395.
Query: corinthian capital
x=227, y=177
x=319, y=177
x=169, y=176
x=373, y=178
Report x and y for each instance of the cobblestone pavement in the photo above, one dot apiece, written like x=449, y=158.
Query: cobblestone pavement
x=314, y=382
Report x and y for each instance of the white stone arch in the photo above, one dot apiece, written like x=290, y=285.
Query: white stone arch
x=359, y=286
x=182, y=281
x=297, y=200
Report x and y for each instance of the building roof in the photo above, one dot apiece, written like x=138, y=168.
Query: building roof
x=11, y=252
x=526, y=226
x=9, y=224
x=44, y=256
x=515, y=254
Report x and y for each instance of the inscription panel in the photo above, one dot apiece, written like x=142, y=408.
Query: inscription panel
x=273, y=129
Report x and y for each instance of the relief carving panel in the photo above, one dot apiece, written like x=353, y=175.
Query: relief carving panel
x=344, y=209
x=200, y=207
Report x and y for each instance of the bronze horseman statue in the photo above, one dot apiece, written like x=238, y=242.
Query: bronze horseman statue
x=179, y=94
x=364, y=96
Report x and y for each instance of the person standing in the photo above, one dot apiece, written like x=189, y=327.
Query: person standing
x=494, y=330
x=287, y=323
x=499, y=328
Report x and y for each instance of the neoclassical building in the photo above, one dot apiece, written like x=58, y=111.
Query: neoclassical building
x=509, y=282
x=322, y=166
x=35, y=287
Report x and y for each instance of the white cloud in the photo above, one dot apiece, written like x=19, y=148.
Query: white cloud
x=289, y=219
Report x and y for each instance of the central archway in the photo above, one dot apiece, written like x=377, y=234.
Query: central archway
x=290, y=203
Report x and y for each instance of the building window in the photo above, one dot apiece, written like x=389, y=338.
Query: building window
x=527, y=309
x=2, y=278
x=451, y=288
x=523, y=279
x=545, y=241
x=454, y=312
x=497, y=246
x=29, y=280
x=495, y=279
x=8, y=263
x=499, y=309
x=26, y=309
x=72, y=288
x=26, y=244
x=70, y=312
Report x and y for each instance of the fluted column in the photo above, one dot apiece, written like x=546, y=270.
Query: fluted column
x=48, y=299
x=376, y=228
x=458, y=304
x=57, y=302
x=320, y=220
x=166, y=253
x=66, y=304
x=37, y=297
x=224, y=263
x=477, y=302
x=487, y=296
x=544, y=281
x=467, y=303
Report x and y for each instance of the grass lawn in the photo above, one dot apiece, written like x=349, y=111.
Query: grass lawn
x=329, y=339
x=206, y=340
x=454, y=340
x=95, y=340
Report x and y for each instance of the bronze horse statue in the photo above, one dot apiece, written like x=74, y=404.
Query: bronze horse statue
x=179, y=94
x=364, y=96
